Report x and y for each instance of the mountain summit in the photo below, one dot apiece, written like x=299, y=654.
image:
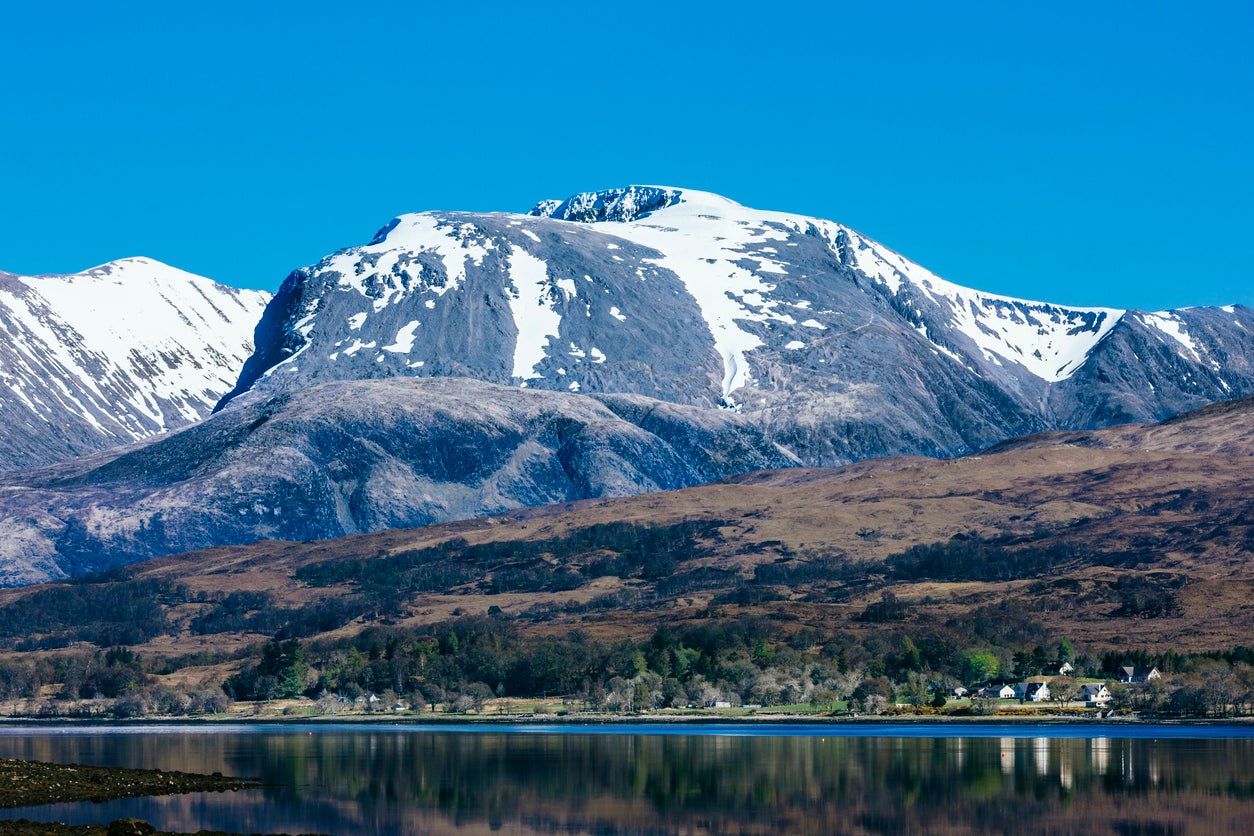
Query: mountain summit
x=629, y=204
x=114, y=354
x=835, y=346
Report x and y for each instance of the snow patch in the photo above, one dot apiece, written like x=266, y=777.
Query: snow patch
x=567, y=287
x=404, y=342
x=534, y=317
x=1172, y=326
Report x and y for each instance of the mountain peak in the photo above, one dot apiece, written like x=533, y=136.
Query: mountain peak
x=131, y=268
x=114, y=354
x=624, y=205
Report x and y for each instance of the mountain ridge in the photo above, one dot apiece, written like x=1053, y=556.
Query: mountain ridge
x=838, y=347
x=349, y=456
x=660, y=339
x=114, y=354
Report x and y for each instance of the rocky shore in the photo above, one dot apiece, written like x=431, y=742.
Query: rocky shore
x=31, y=783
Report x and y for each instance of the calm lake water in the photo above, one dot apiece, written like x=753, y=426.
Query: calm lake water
x=644, y=780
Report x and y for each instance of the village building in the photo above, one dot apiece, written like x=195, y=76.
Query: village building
x=1032, y=691
x=996, y=692
x=1095, y=696
x=1137, y=673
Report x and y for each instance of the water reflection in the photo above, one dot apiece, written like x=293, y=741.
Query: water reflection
x=1099, y=753
x=1007, y=754
x=412, y=782
x=1040, y=752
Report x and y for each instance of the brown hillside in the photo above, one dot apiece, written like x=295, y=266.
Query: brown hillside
x=1136, y=536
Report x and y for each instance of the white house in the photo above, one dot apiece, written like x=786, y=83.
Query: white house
x=1136, y=673
x=1032, y=691
x=996, y=692
x=1095, y=696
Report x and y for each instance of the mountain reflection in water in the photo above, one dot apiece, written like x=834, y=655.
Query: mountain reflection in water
x=412, y=781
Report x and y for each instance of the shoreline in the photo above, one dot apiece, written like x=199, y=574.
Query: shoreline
x=31, y=783
x=616, y=720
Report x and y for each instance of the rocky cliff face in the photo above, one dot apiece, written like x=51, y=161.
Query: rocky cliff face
x=1152, y=365
x=836, y=347
x=112, y=355
x=347, y=457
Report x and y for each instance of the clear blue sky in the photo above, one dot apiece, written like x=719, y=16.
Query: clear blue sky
x=1085, y=153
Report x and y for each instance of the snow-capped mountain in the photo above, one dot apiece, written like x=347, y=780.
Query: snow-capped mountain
x=836, y=346
x=114, y=354
x=616, y=342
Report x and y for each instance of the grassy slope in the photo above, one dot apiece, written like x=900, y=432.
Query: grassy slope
x=1168, y=508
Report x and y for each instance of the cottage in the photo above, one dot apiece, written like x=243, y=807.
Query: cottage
x=1095, y=696
x=959, y=692
x=1137, y=673
x=1060, y=668
x=1032, y=691
x=996, y=692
